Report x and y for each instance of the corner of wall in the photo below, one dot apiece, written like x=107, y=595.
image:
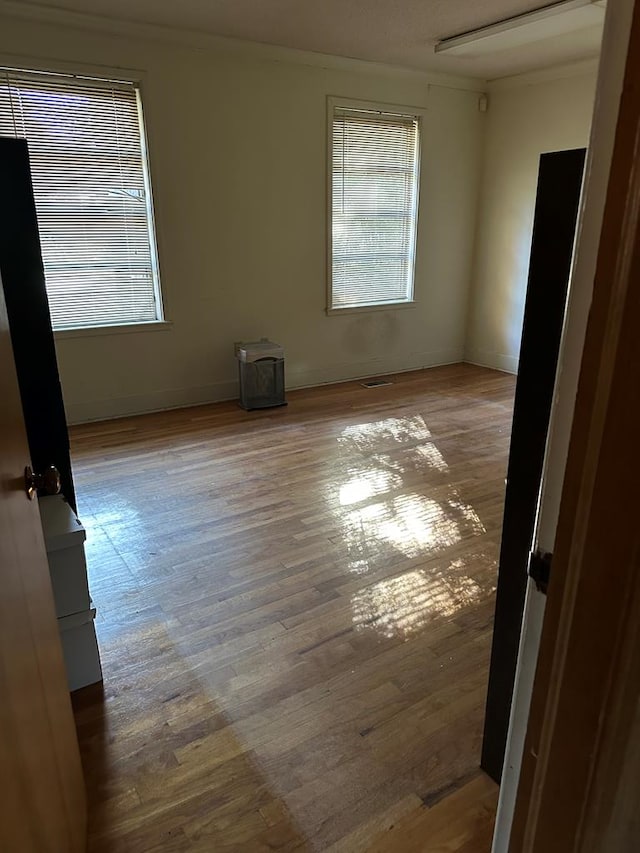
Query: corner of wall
x=471, y=286
x=494, y=360
x=529, y=114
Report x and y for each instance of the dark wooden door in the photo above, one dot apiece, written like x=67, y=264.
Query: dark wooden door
x=556, y=212
x=29, y=319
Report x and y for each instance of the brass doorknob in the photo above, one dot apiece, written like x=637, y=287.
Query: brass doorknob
x=48, y=481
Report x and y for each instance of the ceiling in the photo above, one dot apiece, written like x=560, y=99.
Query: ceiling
x=399, y=32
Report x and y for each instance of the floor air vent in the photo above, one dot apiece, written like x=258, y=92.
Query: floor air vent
x=376, y=383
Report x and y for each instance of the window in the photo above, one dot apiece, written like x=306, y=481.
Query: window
x=374, y=173
x=92, y=194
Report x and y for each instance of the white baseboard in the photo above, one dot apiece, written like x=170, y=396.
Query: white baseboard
x=308, y=378
x=84, y=411
x=495, y=360
x=155, y=401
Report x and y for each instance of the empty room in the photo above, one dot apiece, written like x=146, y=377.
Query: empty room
x=285, y=289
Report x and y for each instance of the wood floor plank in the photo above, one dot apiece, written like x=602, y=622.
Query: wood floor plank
x=294, y=616
x=460, y=823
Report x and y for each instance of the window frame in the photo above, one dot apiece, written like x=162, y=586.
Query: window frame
x=97, y=75
x=419, y=113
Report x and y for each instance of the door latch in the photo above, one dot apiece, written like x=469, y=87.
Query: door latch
x=540, y=569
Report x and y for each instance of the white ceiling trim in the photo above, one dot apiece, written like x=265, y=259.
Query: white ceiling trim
x=545, y=75
x=195, y=40
x=55, y=65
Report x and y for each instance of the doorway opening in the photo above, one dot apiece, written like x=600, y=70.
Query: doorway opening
x=295, y=609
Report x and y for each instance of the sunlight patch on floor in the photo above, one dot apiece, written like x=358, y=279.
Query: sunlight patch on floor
x=429, y=454
x=375, y=501
x=401, y=606
x=413, y=524
x=395, y=430
x=368, y=484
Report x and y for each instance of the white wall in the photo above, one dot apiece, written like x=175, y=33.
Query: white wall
x=526, y=117
x=238, y=160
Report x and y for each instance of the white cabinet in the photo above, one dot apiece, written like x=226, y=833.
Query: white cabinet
x=64, y=538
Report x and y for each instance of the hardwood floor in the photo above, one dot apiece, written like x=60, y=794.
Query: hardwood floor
x=294, y=617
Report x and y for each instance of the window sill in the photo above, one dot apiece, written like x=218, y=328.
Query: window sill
x=361, y=309
x=125, y=329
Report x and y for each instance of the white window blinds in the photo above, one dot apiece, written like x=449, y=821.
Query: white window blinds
x=92, y=195
x=374, y=199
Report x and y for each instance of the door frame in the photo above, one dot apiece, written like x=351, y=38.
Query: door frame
x=25, y=295
x=559, y=190
x=582, y=745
